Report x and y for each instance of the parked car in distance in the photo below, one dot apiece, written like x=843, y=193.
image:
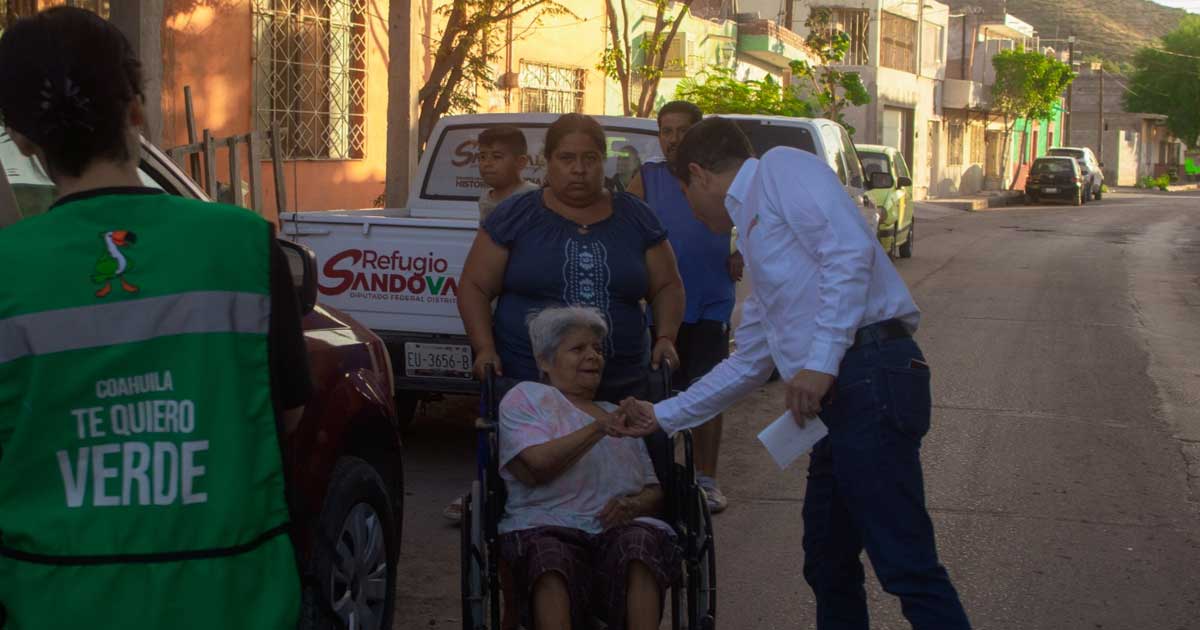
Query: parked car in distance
x=1093, y=176
x=896, y=230
x=343, y=462
x=822, y=137
x=1052, y=177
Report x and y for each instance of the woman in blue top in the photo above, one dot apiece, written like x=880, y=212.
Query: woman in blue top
x=573, y=243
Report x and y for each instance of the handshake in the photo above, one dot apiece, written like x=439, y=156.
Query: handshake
x=634, y=418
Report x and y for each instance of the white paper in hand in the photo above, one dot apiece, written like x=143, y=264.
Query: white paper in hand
x=786, y=441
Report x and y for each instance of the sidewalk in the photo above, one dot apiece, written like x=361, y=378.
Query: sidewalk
x=979, y=201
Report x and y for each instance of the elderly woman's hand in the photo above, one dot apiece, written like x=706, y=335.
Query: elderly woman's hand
x=664, y=349
x=640, y=419
x=620, y=510
x=613, y=423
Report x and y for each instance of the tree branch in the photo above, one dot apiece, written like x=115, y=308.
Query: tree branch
x=650, y=85
x=620, y=62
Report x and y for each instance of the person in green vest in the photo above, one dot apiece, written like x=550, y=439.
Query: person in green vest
x=151, y=353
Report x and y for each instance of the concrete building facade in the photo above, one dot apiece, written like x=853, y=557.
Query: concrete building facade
x=1135, y=146
x=898, y=47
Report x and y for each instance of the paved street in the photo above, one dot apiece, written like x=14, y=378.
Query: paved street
x=1063, y=469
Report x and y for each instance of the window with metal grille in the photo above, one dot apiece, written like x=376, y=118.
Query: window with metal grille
x=554, y=89
x=897, y=42
x=954, y=144
x=12, y=10
x=854, y=23
x=977, y=146
x=310, y=76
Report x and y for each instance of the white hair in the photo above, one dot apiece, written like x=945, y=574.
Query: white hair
x=549, y=326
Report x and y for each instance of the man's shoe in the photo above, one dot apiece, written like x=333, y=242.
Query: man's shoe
x=717, y=502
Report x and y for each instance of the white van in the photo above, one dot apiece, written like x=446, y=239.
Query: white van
x=820, y=136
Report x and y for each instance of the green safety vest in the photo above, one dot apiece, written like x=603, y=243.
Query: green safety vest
x=141, y=478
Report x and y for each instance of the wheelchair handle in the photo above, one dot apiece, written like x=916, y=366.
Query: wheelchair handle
x=489, y=388
x=665, y=371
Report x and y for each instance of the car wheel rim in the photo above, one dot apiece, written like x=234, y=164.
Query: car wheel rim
x=358, y=584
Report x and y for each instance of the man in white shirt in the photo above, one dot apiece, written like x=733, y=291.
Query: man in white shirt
x=829, y=310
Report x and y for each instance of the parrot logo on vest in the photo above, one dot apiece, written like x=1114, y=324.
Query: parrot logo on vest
x=113, y=264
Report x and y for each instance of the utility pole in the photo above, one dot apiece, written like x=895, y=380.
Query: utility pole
x=1070, y=90
x=1099, y=66
x=401, y=109
x=142, y=22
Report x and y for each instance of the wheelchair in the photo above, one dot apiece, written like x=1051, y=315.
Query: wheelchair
x=692, y=600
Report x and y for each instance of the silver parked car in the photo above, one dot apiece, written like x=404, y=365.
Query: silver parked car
x=1093, y=177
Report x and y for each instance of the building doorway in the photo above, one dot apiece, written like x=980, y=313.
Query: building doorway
x=932, y=141
x=898, y=131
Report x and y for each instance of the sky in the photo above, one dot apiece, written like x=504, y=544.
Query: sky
x=1191, y=5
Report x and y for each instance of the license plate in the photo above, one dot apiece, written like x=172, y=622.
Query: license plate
x=437, y=360
x=1050, y=190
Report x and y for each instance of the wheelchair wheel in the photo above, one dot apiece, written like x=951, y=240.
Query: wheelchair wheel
x=475, y=595
x=701, y=569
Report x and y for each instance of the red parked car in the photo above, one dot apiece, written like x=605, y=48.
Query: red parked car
x=344, y=461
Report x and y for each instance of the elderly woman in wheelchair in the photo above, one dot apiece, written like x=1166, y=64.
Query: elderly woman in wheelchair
x=579, y=529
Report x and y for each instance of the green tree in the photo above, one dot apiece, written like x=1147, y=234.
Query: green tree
x=641, y=65
x=1028, y=86
x=1166, y=81
x=467, y=52
x=818, y=89
x=831, y=90
x=718, y=91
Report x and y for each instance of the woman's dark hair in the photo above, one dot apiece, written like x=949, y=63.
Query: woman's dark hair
x=681, y=107
x=568, y=124
x=716, y=144
x=67, y=79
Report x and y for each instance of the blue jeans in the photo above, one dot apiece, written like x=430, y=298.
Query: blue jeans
x=865, y=490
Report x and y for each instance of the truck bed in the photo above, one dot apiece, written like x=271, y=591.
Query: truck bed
x=388, y=269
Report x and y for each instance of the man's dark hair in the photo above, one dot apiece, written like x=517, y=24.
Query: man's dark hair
x=681, y=107
x=568, y=124
x=716, y=144
x=506, y=136
x=67, y=77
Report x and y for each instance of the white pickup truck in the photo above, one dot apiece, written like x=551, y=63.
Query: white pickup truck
x=396, y=270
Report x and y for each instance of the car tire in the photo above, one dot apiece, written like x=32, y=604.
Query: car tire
x=906, y=250
x=356, y=528
x=895, y=252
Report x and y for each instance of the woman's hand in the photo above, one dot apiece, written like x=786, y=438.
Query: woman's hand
x=612, y=423
x=482, y=359
x=664, y=349
x=735, y=265
x=620, y=510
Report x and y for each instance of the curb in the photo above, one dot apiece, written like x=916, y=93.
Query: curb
x=980, y=204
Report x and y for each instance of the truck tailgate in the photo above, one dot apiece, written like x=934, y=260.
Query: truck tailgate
x=388, y=270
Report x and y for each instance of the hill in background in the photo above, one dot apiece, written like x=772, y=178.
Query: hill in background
x=1111, y=29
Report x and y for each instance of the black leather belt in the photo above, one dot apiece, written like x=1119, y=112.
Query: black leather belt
x=880, y=332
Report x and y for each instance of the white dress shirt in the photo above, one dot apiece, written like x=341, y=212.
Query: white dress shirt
x=817, y=275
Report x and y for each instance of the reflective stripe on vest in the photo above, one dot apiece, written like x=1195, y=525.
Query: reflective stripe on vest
x=100, y=325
